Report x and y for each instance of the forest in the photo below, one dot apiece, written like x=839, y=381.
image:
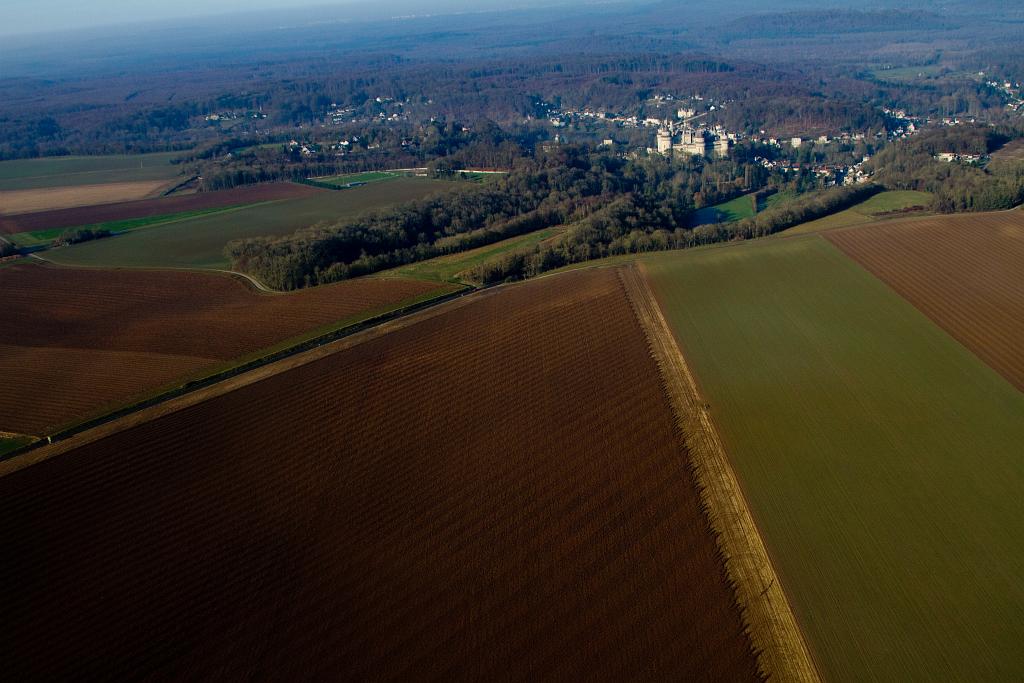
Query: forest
x=610, y=205
x=394, y=79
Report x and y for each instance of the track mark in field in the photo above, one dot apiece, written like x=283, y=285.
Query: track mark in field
x=783, y=653
x=489, y=491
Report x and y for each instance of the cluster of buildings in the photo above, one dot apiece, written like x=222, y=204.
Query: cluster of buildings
x=217, y=117
x=962, y=158
x=1010, y=90
x=391, y=111
x=692, y=141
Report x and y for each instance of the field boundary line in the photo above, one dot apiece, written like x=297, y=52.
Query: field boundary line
x=781, y=649
x=240, y=378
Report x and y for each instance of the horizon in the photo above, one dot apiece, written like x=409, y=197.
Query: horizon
x=24, y=18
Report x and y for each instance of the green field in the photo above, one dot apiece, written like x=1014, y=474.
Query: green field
x=11, y=444
x=739, y=208
x=363, y=178
x=30, y=174
x=866, y=211
x=733, y=210
x=199, y=242
x=909, y=73
x=44, y=237
x=881, y=459
x=447, y=268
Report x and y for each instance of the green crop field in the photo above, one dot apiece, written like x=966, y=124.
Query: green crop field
x=30, y=174
x=881, y=459
x=867, y=211
x=447, y=268
x=43, y=237
x=199, y=242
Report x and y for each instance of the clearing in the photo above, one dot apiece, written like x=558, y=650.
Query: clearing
x=880, y=458
x=744, y=206
x=494, y=490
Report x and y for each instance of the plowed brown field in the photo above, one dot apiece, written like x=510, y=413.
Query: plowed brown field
x=76, y=341
x=965, y=272
x=495, y=492
x=47, y=198
x=103, y=213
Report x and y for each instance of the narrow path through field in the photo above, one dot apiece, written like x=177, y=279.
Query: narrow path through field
x=180, y=402
x=773, y=629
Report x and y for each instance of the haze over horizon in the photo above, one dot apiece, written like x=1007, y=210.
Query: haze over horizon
x=21, y=17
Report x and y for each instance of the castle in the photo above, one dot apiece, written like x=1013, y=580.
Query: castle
x=692, y=141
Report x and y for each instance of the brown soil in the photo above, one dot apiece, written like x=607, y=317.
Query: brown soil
x=782, y=652
x=75, y=341
x=103, y=213
x=495, y=492
x=965, y=272
x=49, y=198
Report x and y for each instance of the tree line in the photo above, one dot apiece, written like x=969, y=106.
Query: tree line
x=629, y=226
x=565, y=185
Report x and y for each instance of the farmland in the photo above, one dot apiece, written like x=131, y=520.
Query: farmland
x=358, y=178
x=473, y=503
x=78, y=342
x=199, y=242
x=964, y=272
x=448, y=268
x=52, y=172
x=162, y=207
x=46, y=237
x=48, y=198
x=882, y=205
x=880, y=458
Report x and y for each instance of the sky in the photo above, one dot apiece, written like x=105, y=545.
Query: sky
x=37, y=16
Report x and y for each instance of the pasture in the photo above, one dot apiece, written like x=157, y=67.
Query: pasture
x=882, y=205
x=53, y=172
x=965, y=272
x=744, y=206
x=466, y=496
x=736, y=209
x=77, y=343
x=880, y=458
x=199, y=242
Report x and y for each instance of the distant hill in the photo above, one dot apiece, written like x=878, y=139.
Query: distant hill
x=820, y=22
